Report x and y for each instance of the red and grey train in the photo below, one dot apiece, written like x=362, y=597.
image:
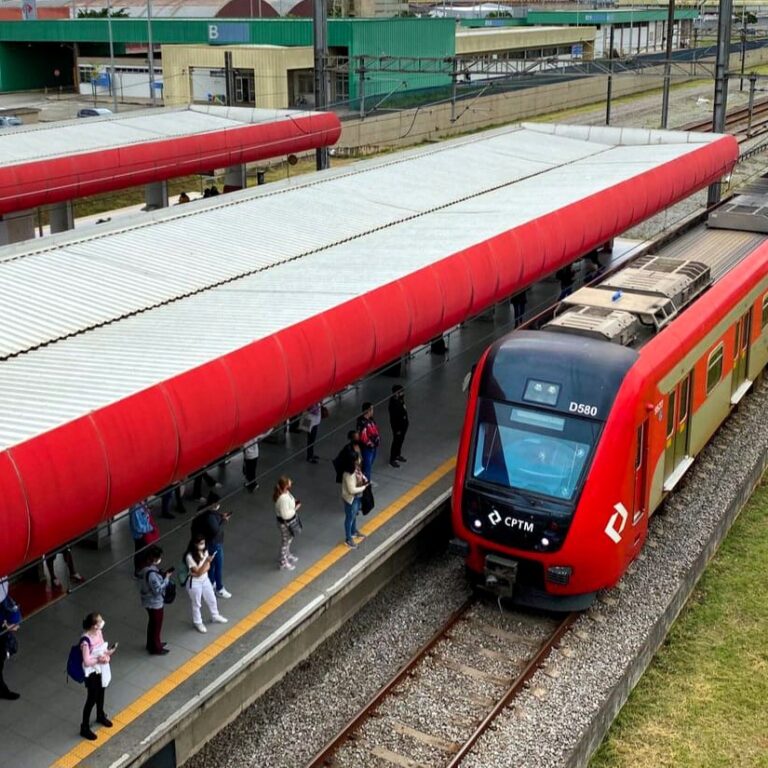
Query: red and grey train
x=575, y=433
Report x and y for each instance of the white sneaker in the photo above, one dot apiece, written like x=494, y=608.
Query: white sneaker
x=287, y=566
x=223, y=593
x=219, y=619
x=217, y=486
x=293, y=559
x=201, y=628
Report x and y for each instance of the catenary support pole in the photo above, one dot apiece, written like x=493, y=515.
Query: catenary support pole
x=320, y=25
x=667, y=65
x=721, y=83
x=610, y=80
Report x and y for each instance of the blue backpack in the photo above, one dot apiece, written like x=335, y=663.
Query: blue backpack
x=75, y=669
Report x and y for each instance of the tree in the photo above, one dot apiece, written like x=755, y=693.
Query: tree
x=102, y=13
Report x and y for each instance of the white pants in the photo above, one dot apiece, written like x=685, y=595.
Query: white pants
x=199, y=589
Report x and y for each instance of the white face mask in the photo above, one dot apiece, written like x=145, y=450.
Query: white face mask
x=100, y=624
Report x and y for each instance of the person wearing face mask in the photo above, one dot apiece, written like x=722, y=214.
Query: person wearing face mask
x=96, y=657
x=210, y=523
x=199, y=586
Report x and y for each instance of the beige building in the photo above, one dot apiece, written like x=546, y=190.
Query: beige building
x=536, y=42
x=264, y=76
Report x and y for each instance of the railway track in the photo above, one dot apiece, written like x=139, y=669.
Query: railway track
x=469, y=672
x=738, y=122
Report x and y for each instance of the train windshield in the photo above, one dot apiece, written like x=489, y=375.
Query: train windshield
x=531, y=449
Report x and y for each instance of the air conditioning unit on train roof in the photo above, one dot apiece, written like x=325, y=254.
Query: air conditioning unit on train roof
x=597, y=323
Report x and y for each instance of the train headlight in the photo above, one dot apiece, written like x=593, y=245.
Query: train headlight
x=544, y=541
x=477, y=523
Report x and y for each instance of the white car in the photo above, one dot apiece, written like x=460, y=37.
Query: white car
x=9, y=122
x=94, y=112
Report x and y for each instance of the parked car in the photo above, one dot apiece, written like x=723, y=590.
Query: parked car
x=8, y=122
x=94, y=112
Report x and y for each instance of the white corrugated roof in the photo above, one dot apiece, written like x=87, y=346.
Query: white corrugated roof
x=177, y=288
x=43, y=141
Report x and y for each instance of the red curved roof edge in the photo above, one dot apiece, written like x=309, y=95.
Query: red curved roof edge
x=64, y=482
x=54, y=180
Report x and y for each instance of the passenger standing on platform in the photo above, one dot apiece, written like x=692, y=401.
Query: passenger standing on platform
x=566, y=277
x=519, y=301
x=144, y=531
x=250, y=462
x=311, y=423
x=210, y=524
x=347, y=455
x=8, y=645
x=369, y=438
x=171, y=495
x=398, y=420
x=353, y=483
x=286, y=510
x=199, y=587
x=152, y=589
x=197, y=484
x=96, y=658
x=69, y=560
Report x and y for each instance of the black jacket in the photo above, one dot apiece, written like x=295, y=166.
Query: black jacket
x=398, y=414
x=209, y=524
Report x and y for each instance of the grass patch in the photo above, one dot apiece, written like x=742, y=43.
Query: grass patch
x=702, y=702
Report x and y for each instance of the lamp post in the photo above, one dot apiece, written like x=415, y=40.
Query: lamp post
x=150, y=54
x=112, y=82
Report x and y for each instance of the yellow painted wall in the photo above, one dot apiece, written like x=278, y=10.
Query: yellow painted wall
x=270, y=65
x=521, y=38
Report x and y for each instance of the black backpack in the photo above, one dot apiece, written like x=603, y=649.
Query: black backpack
x=169, y=593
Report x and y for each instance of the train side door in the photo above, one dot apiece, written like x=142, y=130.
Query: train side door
x=641, y=467
x=741, y=351
x=678, y=412
x=683, y=411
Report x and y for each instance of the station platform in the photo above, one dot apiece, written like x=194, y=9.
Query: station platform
x=176, y=700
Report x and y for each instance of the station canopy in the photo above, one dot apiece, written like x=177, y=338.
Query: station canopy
x=135, y=355
x=49, y=163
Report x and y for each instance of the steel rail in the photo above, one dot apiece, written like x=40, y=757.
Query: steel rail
x=325, y=755
x=530, y=669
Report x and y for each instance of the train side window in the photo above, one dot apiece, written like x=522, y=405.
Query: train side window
x=640, y=446
x=714, y=368
x=683, y=405
x=764, y=320
x=671, y=414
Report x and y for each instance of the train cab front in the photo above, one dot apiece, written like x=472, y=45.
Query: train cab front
x=536, y=414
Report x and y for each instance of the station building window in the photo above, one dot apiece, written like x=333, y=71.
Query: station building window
x=714, y=367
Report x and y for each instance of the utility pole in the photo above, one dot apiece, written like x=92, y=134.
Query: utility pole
x=112, y=81
x=228, y=77
x=743, y=45
x=721, y=83
x=667, y=65
x=320, y=25
x=361, y=94
x=752, y=84
x=610, y=80
x=150, y=54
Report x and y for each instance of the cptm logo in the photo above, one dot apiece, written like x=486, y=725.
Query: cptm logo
x=617, y=523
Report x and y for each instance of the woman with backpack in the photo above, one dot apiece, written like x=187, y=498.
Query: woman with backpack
x=155, y=587
x=198, y=585
x=96, y=657
x=10, y=616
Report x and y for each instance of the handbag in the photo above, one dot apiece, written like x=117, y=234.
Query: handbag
x=324, y=412
x=305, y=422
x=294, y=525
x=367, y=502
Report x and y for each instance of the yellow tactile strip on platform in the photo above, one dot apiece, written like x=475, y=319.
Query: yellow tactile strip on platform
x=150, y=697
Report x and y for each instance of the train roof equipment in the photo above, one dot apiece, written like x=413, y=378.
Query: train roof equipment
x=133, y=355
x=638, y=301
